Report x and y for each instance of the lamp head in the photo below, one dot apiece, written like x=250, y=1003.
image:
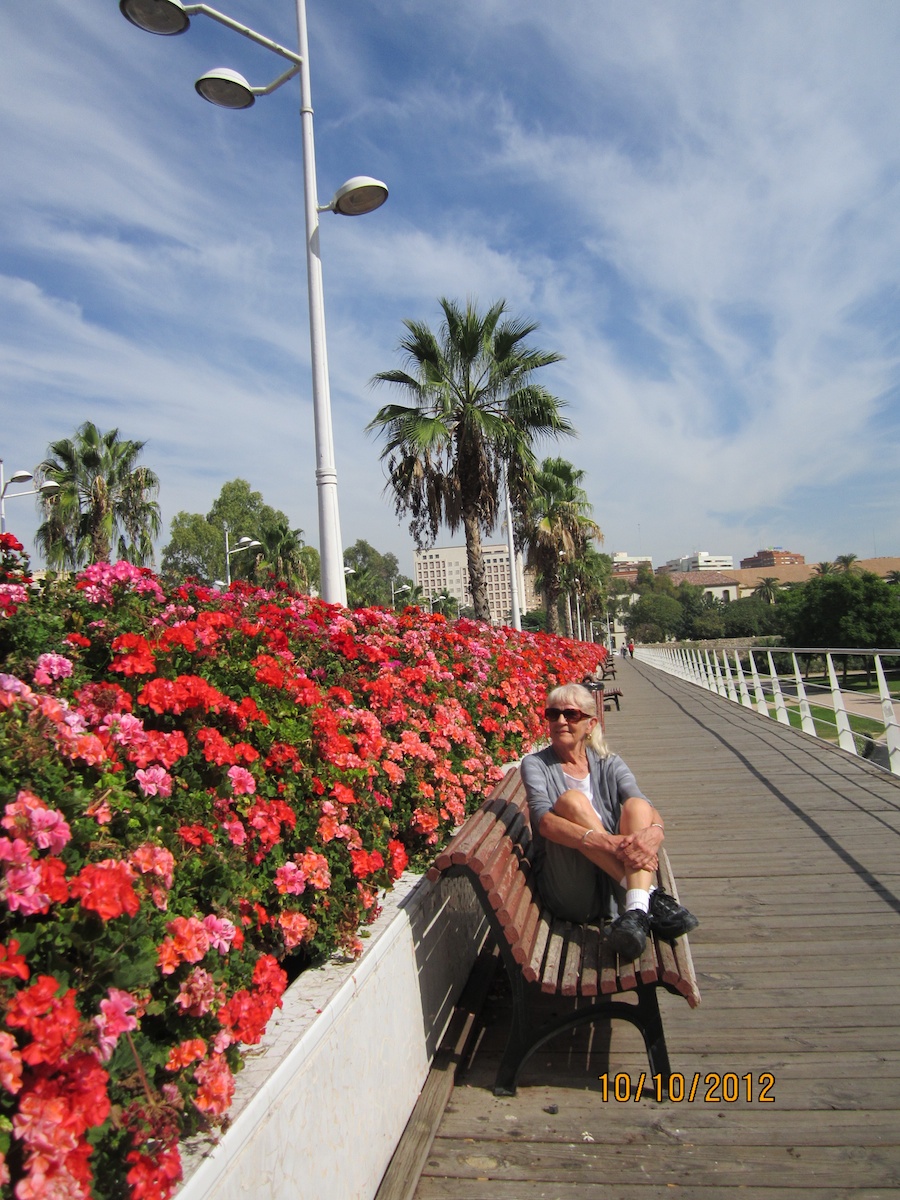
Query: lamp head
x=20, y=477
x=359, y=195
x=49, y=488
x=156, y=16
x=227, y=88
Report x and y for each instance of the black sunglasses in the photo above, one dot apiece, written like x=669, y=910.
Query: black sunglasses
x=572, y=715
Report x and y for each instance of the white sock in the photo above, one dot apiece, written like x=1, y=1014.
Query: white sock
x=637, y=898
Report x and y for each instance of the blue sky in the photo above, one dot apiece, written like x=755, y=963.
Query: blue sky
x=698, y=203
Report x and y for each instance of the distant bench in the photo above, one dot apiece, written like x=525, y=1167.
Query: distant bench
x=543, y=954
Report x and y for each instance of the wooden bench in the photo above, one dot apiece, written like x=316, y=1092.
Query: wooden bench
x=545, y=955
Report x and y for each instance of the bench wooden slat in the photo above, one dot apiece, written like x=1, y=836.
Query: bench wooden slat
x=571, y=972
x=510, y=905
x=532, y=969
x=628, y=974
x=519, y=919
x=553, y=959
x=609, y=976
x=521, y=951
x=649, y=968
x=590, y=961
x=497, y=877
x=507, y=826
x=686, y=983
x=466, y=843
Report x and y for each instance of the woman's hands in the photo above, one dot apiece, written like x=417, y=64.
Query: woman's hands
x=638, y=851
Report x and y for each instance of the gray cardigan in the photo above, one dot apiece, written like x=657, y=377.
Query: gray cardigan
x=542, y=773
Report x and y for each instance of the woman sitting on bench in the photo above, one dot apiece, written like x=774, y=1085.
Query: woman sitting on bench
x=596, y=835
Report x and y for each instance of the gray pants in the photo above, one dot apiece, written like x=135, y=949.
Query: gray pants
x=574, y=889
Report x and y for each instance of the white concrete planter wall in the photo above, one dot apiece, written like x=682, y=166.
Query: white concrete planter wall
x=321, y=1104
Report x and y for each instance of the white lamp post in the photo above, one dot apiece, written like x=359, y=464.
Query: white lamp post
x=359, y=195
x=244, y=543
x=395, y=592
x=513, y=565
x=48, y=488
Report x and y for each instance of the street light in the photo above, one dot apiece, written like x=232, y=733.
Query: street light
x=395, y=592
x=49, y=488
x=244, y=543
x=361, y=194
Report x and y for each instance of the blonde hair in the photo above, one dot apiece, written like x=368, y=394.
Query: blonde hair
x=576, y=695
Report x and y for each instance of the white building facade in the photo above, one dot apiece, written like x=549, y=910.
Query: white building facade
x=444, y=568
x=700, y=560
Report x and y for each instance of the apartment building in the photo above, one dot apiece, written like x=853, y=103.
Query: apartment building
x=700, y=560
x=774, y=556
x=444, y=568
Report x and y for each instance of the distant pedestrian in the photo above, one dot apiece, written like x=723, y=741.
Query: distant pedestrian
x=631, y=649
x=624, y=650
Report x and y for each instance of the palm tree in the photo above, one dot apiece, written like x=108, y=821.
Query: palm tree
x=767, y=589
x=282, y=554
x=557, y=526
x=473, y=406
x=824, y=568
x=846, y=563
x=893, y=577
x=105, y=501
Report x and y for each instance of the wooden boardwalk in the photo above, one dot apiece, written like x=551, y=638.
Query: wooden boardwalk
x=789, y=852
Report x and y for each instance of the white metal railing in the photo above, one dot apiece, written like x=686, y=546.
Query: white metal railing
x=771, y=682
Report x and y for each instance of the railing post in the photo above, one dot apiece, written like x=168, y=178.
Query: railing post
x=729, y=678
x=781, y=713
x=699, y=670
x=720, y=682
x=807, y=724
x=891, y=729
x=845, y=733
x=742, y=682
x=761, y=706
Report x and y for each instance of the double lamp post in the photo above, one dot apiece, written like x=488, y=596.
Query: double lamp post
x=359, y=195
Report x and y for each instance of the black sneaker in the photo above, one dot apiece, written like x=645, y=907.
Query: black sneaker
x=668, y=918
x=628, y=934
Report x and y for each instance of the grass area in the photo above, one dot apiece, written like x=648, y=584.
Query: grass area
x=857, y=681
x=826, y=727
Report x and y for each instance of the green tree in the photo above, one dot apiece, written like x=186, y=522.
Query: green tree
x=824, y=568
x=196, y=544
x=194, y=550
x=556, y=527
x=473, y=407
x=654, y=618
x=106, y=502
x=645, y=580
x=853, y=609
x=373, y=574
x=751, y=616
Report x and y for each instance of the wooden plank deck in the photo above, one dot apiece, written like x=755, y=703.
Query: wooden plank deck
x=789, y=852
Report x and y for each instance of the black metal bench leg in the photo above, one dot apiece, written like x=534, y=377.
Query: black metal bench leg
x=651, y=1027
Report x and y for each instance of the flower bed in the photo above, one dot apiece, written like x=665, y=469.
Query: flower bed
x=202, y=793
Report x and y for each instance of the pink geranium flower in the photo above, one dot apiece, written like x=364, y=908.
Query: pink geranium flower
x=242, y=782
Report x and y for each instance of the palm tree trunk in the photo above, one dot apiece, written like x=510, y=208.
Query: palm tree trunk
x=551, y=599
x=475, y=560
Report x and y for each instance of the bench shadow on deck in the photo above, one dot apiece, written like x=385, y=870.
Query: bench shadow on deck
x=789, y=852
